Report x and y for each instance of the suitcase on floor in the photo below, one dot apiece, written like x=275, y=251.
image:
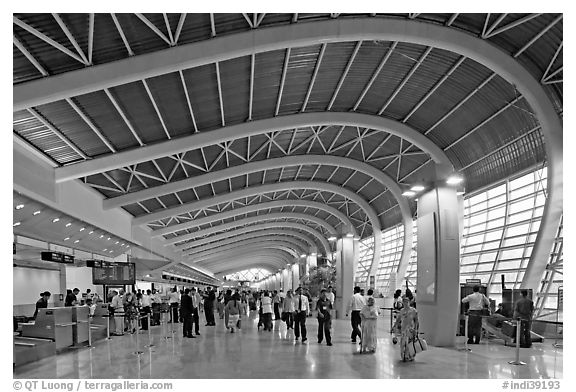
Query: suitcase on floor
x=509, y=329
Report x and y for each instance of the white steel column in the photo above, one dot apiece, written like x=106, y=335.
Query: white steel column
x=438, y=265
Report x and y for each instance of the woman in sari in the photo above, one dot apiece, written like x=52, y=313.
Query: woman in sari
x=407, y=326
x=369, y=316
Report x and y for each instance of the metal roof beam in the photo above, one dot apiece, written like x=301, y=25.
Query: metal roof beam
x=249, y=209
x=375, y=75
x=227, y=257
x=537, y=36
x=284, y=71
x=70, y=38
x=344, y=74
x=313, y=80
x=204, y=139
x=405, y=80
x=220, y=94
x=90, y=37
x=212, y=26
x=57, y=132
x=167, y=23
x=264, y=242
x=227, y=239
x=47, y=39
x=121, y=32
x=179, y=27
x=154, y=28
x=491, y=32
x=29, y=56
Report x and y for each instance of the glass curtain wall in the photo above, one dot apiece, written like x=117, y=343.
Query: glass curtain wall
x=500, y=227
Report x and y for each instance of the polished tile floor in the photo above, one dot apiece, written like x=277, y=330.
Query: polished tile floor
x=252, y=354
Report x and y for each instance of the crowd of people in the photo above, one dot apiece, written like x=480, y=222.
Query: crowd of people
x=292, y=308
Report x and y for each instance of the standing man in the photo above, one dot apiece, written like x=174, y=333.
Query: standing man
x=355, y=305
x=302, y=307
x=524, y=308
x=146, y=303
x=276, y=302
x=323, y=306
x=195, y=304
x=186, y=313
x=476, y=301
x=118, y=305
x=174, y=300
x=71, y=299
x=209, y=298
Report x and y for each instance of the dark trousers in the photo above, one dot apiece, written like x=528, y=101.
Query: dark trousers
x=300, y=324
x=525, y=338
x=209, y=312
x=187, y=327
x=174, y=313
x=196, y=321
x=155, y=314
x=289, y=320
x=474, y=326
x=145, y=311
x=324, y=325
x=267, y=321
x=356, y=321
x=276, y=311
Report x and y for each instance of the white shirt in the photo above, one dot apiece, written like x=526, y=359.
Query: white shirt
x=174, y=297
x=357, y=302
x=118, y=302
x=266, y=305
x=330, y=297
x=146, y=300
x=477, y=301
x=156, y=298
x=304, y=307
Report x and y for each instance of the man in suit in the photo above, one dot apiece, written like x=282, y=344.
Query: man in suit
x=209, y=299
x=186, y=313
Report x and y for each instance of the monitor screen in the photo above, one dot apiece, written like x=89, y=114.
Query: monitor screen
x=112, y=273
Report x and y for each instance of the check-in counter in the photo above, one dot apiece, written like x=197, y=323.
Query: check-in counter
x=100, y=321
x=52, y=323
x=28, y=350
x=80, y=315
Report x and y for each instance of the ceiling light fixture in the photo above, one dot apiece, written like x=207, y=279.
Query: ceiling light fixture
x=408, y=193
x=454, y=180
x=66, y=239
x=108, y=239
x=91, y=232
x=105, y=249
x=16, y=224
x=68, y=224
x=19, y=206
x=82, y=229
x=117, y=242
x=55, y=220
x=418, y=188
x=332, y=238
x=102, y=236
x=77, y=241
x=303, y=255
x=36, y=212
x=350, y=235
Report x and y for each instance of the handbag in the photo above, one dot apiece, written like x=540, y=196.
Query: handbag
x=420, y=345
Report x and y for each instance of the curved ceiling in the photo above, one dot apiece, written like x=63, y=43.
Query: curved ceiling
x=181, y=138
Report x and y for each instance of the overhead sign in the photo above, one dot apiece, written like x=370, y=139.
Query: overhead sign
x=114, y=273
x=473, y=281
x=57, y=257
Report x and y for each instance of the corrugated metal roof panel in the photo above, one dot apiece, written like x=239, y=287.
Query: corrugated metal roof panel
x=333, y=64
x=61, y=115
x=203, y=91
x=365, y=64
x=170, y=97
x=106, y=118
x=235, y=81
x=138, y=108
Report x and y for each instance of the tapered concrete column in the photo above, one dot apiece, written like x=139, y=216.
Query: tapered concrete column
x=345, y=255
x=295, y=276
x=438, y=265
x=312, y=259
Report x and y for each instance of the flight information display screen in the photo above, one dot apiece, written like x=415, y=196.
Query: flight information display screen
x=112, y=273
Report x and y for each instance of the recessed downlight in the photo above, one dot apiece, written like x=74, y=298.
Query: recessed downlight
x=19, y=206
x=55, y=220
x=66, y=239
x=36, y=212
x=16, y=224
x=68, y=224
x=77, y=241
x=82, y=228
